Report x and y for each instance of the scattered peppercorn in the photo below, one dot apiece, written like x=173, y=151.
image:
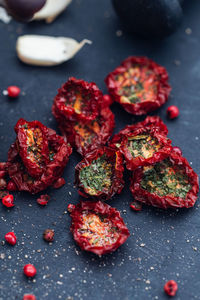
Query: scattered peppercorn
x=29, y=297
x=11, y=238
x=70, y=207
x=48, y=235
x=59, y=183
x=8, y=200
x=13, y=91
x=171, y=288
x=172, y=112
x=30, y=270
x=136, y=206
x=43, y=199
x=11, y=186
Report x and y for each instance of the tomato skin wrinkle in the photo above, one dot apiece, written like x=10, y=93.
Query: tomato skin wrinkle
x=11, y=238
x=13, y=91
x=171, y=288
x=133, y=74
x=99, y=210
x=166, y=201
x=37, y=158
x=110, y=158
x=30, y=270
x=78, y=100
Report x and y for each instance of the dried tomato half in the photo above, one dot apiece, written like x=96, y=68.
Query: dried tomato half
x=78, y=100
x=168, y=183
x=100, y=174
x=87, y=136
x=139, y=84
x=98, y=227
x=32, y=145
x=129, y=130
x=144, y=147
x=52, y=170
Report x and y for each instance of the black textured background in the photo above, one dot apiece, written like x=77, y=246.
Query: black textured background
x=163, y=245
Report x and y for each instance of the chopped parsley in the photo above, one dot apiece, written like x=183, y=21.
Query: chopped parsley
x=97, y=176
x=165, y=179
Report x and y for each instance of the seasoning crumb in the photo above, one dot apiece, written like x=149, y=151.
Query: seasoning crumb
x=119, y=33
x=177, y=62
x=194, y=248
x=142, y=245
x=5, y=92
x=188, y=31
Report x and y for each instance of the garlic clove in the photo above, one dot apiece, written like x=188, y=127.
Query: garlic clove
x=46, y=50
x=51, y=10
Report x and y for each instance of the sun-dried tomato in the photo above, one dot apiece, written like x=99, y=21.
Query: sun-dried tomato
x=145, y=147
x=19, y=166
x=100, y=174
x=87, y=136
x=139, y=84
x=149, y=122
x=98, y=227
x=33, y=146
x=169, y=183
x=78, y=100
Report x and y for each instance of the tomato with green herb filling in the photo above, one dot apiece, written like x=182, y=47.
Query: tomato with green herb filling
x=22, y=166
x=129, y=130
x=78, y=100
x=100, y=174
x=168, y=183
x=139, y=85
x=97, y=227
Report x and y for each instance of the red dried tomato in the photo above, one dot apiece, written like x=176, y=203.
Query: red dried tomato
x=169, y=183
x=139, y=84
x=100, y=174
x=11, y=186
x=19, y=166
x=172, y=112
x=171, y=288
x=87, y=136
x=13, y=91
x=144, y=147
x=149, y=122
x=98, y=227
x=78, y=100
x=33, y=146
x=59, y=183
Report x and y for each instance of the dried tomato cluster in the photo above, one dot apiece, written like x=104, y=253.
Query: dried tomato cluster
x=139, y=84
x=83, y=115
x=161, y=176
x=100, y=174
x=37, y=158
x=98, y=227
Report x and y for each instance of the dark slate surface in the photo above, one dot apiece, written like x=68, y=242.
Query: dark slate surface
x=163, y=245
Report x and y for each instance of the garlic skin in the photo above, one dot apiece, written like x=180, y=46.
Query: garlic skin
x=51, y=10
x=42, y=50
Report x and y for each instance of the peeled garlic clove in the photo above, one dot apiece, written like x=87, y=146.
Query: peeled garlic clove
x=51, y=10
x=43, y=50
